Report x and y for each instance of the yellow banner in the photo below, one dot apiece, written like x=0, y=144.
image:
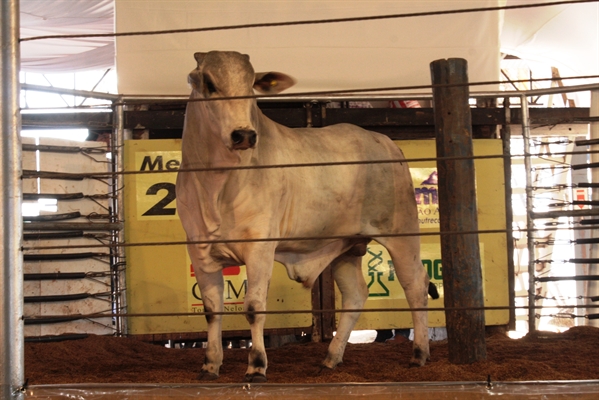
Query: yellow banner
x=377, y=267
x=160, y=278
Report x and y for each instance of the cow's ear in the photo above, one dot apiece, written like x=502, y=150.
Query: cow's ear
x=272, y=82
x=199, y=57
x=195, y=79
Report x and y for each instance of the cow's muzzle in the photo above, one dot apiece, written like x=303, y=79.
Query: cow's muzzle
x=243, y=139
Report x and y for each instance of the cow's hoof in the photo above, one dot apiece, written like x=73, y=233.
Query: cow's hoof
x=419, y=358
x=207, y=376
x=256, y=377
x=323, y=370
x=417, y=362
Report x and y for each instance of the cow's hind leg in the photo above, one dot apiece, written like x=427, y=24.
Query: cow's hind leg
x=405, y=253
x=211, y=288
x=347, y=273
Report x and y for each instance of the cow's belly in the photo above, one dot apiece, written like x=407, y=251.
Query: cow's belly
x=307, y=265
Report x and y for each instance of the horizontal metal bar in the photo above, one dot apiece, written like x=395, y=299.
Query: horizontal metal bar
x=585, y=203
x=568, y=278
x=565, y=213
x=69, y=92
x=68, y=226
x=317, y=97
x=586, y=241
x=583, y=260
x=57, y=297
x=53, y=235
x=51, y=149
x=396, y=95
x=51, y=320
x=584, y=166
x=586, y=142
x=62, y=256
x=52, y=217
x=56, y=338
x=56, y=196
x=52, y=175
x=54, y=276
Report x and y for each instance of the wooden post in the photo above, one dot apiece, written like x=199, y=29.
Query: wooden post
x=460, y=253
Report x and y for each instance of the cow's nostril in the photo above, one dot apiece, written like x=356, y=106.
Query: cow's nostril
x=244, y=138
x=237, y=137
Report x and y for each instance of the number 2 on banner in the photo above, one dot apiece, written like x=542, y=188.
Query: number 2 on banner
x=160, y=208
x=155, y=191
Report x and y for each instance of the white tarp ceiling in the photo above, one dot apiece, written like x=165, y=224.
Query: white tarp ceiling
x=565, y=36
x=66, y=17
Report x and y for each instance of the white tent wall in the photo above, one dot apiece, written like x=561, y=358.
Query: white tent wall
x=350, y=55
x=561, y=36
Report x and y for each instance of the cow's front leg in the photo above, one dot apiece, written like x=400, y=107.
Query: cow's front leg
x=211, y=288
x=259, y=274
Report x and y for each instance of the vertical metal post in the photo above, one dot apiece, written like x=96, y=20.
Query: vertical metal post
x=529, y=211
x=506, y=137
x=118, y=264
x=11, y=271
x=593, y=286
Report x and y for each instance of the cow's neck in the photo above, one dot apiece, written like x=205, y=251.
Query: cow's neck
x=202, y=148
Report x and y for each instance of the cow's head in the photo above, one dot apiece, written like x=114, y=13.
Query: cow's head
x=223, y=75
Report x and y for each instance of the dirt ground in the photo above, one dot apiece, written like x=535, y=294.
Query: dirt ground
x=572, y=355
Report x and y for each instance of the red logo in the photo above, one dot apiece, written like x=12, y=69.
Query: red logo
x=227, y=271
x=581, y=195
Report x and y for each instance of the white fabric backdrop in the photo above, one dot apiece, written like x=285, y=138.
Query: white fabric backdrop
x=60, y=17
x=563, y=36
x=321, y=57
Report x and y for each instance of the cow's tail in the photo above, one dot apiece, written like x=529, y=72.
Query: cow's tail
x=432, y=290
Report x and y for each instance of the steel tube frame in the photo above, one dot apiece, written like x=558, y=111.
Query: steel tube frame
x=592, y=287
x=317, y=97
x=118, y=208
x=529, y=212
x=11, y=272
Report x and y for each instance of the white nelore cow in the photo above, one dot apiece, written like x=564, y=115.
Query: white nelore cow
x=287, y=203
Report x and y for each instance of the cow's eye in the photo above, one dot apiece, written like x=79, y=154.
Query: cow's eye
x=209, y=85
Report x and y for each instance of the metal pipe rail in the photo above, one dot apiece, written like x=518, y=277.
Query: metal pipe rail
x=63, y=297
x=568, y=278
x=63, y=256
x=64, y=149
x=70, y=226
x=57, y=276
x=323, y=96
x=56, y=196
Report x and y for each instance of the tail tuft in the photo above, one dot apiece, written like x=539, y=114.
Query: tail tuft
x=432, y=290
